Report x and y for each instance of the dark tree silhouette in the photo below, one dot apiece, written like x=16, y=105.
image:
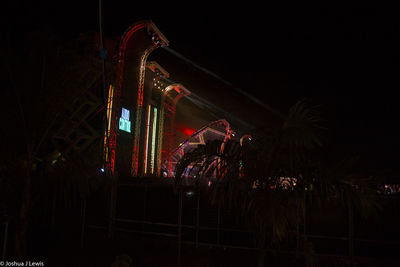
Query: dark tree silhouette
x=289, y=149
x=43, y=81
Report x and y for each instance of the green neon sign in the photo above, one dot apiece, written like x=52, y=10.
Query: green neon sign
x=124, y=122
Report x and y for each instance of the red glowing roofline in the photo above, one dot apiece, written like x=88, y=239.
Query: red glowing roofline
x=151, y=28
x=194, y=135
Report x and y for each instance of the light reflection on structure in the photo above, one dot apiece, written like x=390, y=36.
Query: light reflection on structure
x=283, y=183
x=153, y=141
x=217, y=130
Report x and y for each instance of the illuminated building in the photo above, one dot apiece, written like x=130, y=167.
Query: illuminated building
x=161, y=99
x=124, y=141
x=139, y=127
x=139, y=135
x=141, y=106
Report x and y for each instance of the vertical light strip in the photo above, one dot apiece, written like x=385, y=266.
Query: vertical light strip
x=109, y=107
x=120, y=75
x=139, y=108
x=109, y=111
x=147, y=139
x=153, y=140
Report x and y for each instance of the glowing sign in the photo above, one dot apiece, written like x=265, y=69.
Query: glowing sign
x=125, y=114
x=124, y=122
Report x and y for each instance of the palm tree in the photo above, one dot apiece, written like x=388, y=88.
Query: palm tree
x=289, y=149
x=280, y=151
x=286, y=151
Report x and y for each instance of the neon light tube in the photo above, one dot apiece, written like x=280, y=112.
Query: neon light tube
x=109, y=111
x=109, y=107
x=153, y=140
x=147, y=139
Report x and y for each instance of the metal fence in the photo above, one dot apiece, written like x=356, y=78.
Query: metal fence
x=4, y=224
x=188, y=216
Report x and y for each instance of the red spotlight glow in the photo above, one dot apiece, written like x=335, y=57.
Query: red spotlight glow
x=188, y=131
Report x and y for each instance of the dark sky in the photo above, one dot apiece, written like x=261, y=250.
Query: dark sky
x=347, y=60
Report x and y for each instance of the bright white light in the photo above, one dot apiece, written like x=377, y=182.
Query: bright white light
x=153, y=140
x=101, y=169
x=189, y=193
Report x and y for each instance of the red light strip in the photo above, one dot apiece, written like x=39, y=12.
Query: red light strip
x=107, y=131
x=120, y=73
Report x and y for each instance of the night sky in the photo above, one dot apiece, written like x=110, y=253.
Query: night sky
x=347, y=60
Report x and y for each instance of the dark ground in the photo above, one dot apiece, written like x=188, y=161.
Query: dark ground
x=156, y=251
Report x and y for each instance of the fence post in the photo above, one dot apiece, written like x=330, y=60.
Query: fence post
x=304, y=214
x=180, y=225
x=351, y=229
x=53, y=210
x=3, y=255
x=83, y=221
x=144, y=207
x=297, y=229
x=113, y=203
x=218, y=224
x=198, y=217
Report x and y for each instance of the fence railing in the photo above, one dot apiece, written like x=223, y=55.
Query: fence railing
x=4, y=223
x=207, y=224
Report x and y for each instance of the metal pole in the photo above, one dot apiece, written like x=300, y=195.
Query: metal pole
x=3, y=256
x=180, y=227
x=351, y=229
x=83, y=221
x=218, y=223
x=113, y=203
x=105, y=97
x=297, y=228
x=198, y=217
x=101, y=48
x=144, y=206
x=53, y=210
x=304, y=214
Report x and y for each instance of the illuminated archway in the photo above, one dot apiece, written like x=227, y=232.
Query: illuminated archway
x=126, y=99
